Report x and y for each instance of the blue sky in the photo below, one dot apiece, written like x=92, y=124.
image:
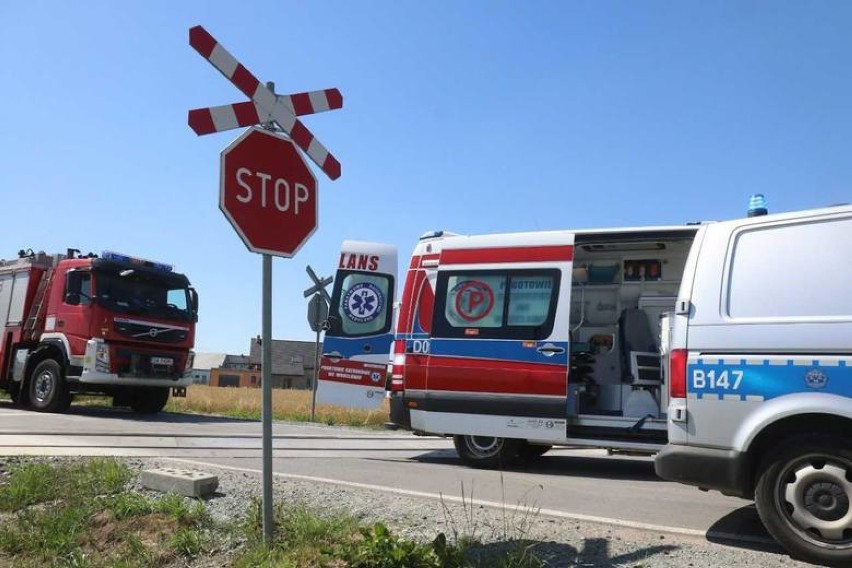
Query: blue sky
x=475, y=117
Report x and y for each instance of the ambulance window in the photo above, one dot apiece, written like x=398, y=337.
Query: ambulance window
x=529, y=299
x=476, y=304
x=475, y=300
x=362, y=305
x=791, y=271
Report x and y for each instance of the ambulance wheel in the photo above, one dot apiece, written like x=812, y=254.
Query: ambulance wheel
x=486, y=452
x=149, y=400
x=527, y=451
x=47, y=389
x=804, y=498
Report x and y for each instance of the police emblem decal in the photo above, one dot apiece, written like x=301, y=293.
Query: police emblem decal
x=816, y=379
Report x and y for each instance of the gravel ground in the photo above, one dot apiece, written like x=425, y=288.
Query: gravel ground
x=561, y=542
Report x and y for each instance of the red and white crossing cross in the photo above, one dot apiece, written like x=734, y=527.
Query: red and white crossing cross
x=264, y=99
x=237, y=115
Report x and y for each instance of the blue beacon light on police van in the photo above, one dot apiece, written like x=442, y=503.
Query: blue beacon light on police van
x=757, y=205
x=118, y=257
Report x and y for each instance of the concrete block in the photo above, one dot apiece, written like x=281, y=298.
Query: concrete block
x=181, y=481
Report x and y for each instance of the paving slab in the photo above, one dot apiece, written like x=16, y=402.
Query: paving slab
x=184, y=482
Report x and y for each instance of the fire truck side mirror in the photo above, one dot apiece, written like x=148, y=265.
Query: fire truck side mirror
x=193, y=298
x=72, y=298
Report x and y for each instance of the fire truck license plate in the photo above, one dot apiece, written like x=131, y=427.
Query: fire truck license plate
x=162, y=360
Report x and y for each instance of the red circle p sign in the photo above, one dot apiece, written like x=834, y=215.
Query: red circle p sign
x=474, y=300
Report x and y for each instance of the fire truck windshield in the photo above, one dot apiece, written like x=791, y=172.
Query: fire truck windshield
x=150, y=293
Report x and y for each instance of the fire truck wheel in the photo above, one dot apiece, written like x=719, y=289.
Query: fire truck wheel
x=486, y=452
x=149, y=400
x=527, y=451
x=15, y=392
x=47, y=389
x=804, y=498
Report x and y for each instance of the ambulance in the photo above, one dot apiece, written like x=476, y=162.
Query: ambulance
x=510, y=343
x=723, y=348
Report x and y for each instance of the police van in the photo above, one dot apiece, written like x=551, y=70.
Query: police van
x=758, y=353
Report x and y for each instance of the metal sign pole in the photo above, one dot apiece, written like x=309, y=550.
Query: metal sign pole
x=274, y=112
x=266, y=382
x=316, y=370
x=317, y=315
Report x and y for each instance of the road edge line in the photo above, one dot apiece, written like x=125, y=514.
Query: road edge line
x=694, y=533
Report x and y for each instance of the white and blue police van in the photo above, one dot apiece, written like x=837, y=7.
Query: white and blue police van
x=758, y=358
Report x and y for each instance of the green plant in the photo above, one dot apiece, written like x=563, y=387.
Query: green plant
x=135, y=552
x=28, y=484
x=380, y=548
x=514, y=525
x=32, y=483
x=75, y=559
x=128, y=505
x=188, y=542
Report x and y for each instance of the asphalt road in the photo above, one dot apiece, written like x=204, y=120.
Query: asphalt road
x=574, y=484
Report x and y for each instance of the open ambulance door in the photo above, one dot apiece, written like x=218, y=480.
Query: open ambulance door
x=499, y=354
x=356, y=349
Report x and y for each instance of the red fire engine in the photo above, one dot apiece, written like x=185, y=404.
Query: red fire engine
x=112, y=324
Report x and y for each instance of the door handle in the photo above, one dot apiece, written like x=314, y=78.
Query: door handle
x=333, y=356
x=549, y=350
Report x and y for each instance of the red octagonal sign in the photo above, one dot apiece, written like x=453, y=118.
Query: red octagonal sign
x=268, y=193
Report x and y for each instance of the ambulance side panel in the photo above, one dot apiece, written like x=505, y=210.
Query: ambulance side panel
x=356, y=348
x=497, y=363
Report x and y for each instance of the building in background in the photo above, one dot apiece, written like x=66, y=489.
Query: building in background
x=203, y=364
x=235, y=371
x=292, y=366
x=292, y=362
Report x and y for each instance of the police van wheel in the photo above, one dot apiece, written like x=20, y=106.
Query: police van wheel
x=804, y=498
x=486, y=452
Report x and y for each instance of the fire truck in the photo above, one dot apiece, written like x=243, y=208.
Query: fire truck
x=111, y=325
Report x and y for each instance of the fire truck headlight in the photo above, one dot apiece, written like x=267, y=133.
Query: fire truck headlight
x=102, y=358
x=96, y=358
x=190, y=361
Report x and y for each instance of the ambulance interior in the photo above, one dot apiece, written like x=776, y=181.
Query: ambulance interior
x=621, y=286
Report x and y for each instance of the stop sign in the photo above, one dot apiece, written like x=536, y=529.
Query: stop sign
x=268, y=193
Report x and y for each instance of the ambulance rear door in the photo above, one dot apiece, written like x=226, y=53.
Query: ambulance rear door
x=356, y=349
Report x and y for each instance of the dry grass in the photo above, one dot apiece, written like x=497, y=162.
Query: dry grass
x=287, y=404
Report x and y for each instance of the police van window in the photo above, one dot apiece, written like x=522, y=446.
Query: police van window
x=496, y=304
x=777, y=271
x=362, y=305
